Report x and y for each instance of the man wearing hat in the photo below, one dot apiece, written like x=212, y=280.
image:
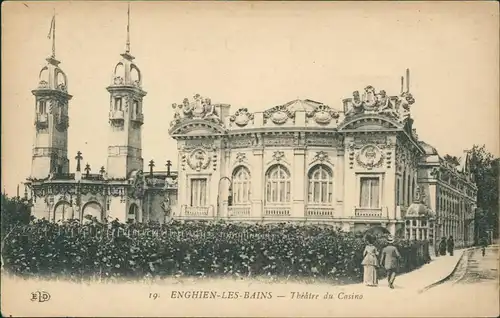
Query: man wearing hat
x=389, y=260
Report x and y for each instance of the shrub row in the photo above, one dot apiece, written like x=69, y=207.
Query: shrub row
x=193, y=249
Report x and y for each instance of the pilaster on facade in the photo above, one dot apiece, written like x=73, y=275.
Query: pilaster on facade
x=299, y=180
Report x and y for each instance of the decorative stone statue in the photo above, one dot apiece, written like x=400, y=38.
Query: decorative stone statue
x=200, y=108
x=165, y=206
x=369, y=98
x=357, y=104
x=384, y=104
x=403, y=105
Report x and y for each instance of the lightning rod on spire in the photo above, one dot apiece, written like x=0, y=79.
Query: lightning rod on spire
x=407, y=80
x=52, y=34
x=127, y=47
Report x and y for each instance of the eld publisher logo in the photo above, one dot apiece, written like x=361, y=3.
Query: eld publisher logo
x=40, y=296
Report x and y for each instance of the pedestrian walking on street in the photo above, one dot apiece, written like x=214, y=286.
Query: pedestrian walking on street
x=370, y=262
x=451, y=245
x=442, y=246
x=484, y=243
x=389, y=259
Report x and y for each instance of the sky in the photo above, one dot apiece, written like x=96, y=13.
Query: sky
x=254, y=55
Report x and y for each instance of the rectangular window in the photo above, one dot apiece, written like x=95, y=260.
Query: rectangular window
x=118, y=103
x=42, y=107
x=198, y=192
x=369, y=192
x=136, y=107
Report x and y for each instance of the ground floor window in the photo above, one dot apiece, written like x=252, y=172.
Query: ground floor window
x=369, y=196
x=198, y=192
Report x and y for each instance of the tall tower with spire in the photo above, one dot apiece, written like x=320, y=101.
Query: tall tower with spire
x=50, y=149
x=125, y=116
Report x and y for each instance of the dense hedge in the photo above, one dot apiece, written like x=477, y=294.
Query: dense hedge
x=193, y=249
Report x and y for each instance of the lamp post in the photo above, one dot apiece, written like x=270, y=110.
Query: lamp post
x=230, y=196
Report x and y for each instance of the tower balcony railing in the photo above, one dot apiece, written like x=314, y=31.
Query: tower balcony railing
x=138, y=118
x=117, y=115
x=93, y=176
x=64, y=176
x=318, y=211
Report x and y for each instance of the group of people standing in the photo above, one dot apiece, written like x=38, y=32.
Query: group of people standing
x=389, y=259
x=446, y=245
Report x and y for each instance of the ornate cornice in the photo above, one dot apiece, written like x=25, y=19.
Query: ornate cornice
x=375, y=122
x=206, y=129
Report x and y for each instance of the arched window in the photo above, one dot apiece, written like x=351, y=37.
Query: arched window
x=133, y=213
x=277, y=185
x=62, y=211
x=241, y=185
x=93, y=209
x=320, y=185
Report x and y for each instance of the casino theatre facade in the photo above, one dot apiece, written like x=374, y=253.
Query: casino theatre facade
x=359, y=167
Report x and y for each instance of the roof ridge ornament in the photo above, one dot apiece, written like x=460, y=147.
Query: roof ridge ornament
x=396, y=107
x=199, y=108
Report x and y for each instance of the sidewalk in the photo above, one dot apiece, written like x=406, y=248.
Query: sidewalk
x=438, y=268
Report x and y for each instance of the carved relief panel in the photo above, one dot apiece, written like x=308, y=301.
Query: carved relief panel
x=199, y=156
x=370, y=152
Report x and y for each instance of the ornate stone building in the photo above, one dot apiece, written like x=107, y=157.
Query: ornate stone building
x=359, y=167
x=355, y=168
x=121, y=190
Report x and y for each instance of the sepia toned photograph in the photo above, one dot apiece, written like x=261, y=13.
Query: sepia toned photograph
x=250, y=159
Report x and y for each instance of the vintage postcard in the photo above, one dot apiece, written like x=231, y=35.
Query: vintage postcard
x=256, y=159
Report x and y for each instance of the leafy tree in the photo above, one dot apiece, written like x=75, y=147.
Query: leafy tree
x=484, y=167
x=453, y=160
x=15, y=211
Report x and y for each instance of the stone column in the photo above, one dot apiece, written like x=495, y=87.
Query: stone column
x=299, y=182
x=258, y=182
x=225, y=171
x=389, y=195
x=338, y=183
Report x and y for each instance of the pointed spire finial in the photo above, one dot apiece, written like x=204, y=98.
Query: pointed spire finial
x=127, y=46
x=52, y=34
x=407, y=80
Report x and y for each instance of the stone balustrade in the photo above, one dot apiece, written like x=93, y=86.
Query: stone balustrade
x=277, y=211
x=195, y=211
x=368, y=212
x=320, y=211
x=239, y=210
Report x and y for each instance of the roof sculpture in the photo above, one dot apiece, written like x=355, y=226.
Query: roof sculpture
x=199, y=108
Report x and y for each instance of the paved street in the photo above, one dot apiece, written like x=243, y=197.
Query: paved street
x=473, y=288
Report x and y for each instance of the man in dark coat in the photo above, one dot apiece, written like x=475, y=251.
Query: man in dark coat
x=483, y=242
x=389, y=260
x=442, y=246
x=451, y=245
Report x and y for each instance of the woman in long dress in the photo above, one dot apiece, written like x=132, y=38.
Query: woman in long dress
x=370, y=262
